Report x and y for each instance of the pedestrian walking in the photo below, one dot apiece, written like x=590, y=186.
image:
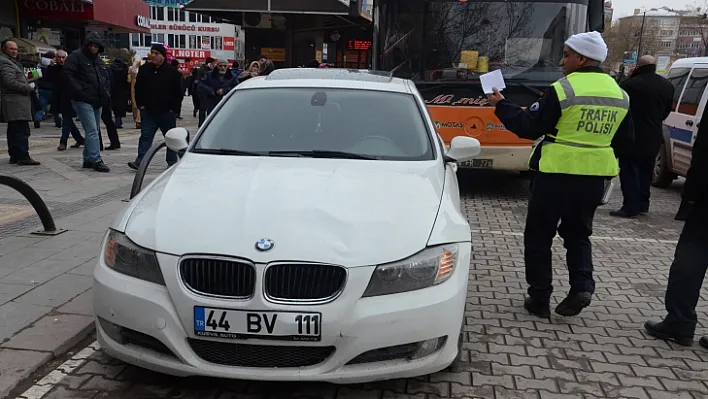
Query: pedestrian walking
x=158, y=95
x=15, y=104
x=193, y=90
x=650, y=98
x=583, y=121
x=120, y=98
x=266, y=68
x=45, y=87
x=132, y=76
x=216, y=84
x=107, y=113
x=88, y=90
x=62, y=101
x=691, y=256
x=203, y=70
x=175, y=65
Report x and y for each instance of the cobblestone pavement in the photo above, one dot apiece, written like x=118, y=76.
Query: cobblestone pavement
x=45, y=281
x=507, y=353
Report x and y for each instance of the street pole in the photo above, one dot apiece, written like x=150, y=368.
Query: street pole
x=641, y=33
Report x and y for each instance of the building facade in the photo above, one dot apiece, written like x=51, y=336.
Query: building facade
x=658, y=31
x=192, y=37
x=677, y=34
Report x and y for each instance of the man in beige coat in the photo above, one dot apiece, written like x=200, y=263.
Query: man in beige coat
x=15, y=104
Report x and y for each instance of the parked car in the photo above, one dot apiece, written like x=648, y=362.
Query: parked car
x=311, y=232
x=689, y=77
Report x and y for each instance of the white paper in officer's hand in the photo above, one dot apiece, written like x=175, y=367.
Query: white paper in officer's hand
x=492, y=79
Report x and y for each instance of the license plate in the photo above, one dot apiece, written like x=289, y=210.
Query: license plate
x=478, y=163
x=240, y=324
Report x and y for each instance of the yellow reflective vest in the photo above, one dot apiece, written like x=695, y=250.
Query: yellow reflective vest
x=592, y=108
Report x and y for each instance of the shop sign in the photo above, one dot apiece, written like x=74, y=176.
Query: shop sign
x=186, y=28
x=57, y=9
x=142, y=21
x=167, y=3
x=178, y=53
x=273, y=54
x=229, y=43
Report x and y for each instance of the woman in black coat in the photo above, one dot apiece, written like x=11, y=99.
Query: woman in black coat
x=120, y=94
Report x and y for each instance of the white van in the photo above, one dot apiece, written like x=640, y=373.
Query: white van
x=689, y=77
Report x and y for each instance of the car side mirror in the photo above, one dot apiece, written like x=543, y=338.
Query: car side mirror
x=464, y=148
x=177, y=139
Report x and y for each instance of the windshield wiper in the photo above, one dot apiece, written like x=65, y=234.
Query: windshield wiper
x=227, y=151
x=527, y=87
x=323, y=154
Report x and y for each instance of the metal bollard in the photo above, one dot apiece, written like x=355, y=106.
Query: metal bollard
x=36, y=201
x=140, y=174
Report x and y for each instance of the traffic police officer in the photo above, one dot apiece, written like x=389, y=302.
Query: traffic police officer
x=583, y=125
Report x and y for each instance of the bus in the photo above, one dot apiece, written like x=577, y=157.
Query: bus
x=445, y=45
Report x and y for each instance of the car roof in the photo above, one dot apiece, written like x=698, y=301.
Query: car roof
x=336, y=78
x=689, y=62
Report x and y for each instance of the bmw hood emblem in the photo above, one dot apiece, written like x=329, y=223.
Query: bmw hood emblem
x=264, y=244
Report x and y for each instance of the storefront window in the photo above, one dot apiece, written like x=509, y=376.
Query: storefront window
x=157, y=13
x=217, y=43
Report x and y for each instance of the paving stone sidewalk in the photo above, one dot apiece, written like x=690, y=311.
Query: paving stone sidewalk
x=45, y=281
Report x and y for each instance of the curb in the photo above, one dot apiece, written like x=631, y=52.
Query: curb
x=20, y=358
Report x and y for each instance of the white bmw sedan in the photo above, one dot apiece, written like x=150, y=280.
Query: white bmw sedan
x=310, y=232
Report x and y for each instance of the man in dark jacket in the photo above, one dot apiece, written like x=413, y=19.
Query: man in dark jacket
x=45, y=87
x=690, y=260
x=158, y=95
x=650, y=97
x=61, y=103
x=203, y=71
x=88, y=90
x=15, y=104
x=216, y=84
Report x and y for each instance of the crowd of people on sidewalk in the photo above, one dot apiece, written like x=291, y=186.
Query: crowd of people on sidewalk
x=82, y=86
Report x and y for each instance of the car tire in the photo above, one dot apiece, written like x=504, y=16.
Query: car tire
x=662, y=177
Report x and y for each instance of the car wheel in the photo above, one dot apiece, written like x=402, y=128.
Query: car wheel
x=662, y=177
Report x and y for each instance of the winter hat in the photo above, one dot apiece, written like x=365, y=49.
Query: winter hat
x=159, y=48
x=588, y=44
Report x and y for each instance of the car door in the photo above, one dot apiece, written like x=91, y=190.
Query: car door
x=684, y=121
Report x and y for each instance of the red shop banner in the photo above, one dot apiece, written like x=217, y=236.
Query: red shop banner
x=57, y=9
x=229, y=43
x=180, y=53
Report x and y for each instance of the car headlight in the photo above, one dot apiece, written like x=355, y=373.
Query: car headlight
x=126, y=257
x=422, y=270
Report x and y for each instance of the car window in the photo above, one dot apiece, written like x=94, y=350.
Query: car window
x=677, y=77
x=695, y=86
x=382, y=125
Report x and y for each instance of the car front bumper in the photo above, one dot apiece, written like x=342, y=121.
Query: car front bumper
x=163, y=317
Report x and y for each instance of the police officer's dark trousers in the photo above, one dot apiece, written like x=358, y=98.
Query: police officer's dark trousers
x=687, y=273
x=571, y=200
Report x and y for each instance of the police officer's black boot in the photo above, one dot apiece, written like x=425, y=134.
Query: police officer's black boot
x=573, y=304
x=537, y=308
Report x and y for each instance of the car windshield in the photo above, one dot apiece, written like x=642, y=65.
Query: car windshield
x=315, y=122
x=443, y=40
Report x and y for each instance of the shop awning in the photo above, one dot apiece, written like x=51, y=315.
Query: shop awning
x=330, y=7
x=31, y=47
